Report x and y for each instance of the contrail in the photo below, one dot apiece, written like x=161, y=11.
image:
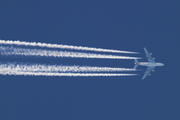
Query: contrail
x=48, y=45
x=42, y=70
x=55, y=53
x=61, y=74
x=28, y=67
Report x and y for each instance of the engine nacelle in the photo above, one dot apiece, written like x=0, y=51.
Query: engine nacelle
x=154, y=58
x=149, y=74
x=150, y=53
x=153, y=70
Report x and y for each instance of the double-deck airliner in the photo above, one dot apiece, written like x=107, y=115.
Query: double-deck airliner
x=151, y=64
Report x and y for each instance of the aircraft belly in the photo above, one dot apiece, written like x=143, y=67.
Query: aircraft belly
x=152, y=64
x=142, y=64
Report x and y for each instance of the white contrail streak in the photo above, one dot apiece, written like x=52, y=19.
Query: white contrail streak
x=57, y=68
x=55, y=53
x=48, y=45
x=61, y=74
x=42, y=70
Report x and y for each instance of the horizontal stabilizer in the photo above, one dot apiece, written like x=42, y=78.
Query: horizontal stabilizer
x=136, y=61
x=135, y=66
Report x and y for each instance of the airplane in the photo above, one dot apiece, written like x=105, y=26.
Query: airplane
x=151, y=64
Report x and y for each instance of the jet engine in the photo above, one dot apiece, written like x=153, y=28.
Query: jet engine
x=149, y=74
x=153, y=70
x=150, y=53
x=153, y=58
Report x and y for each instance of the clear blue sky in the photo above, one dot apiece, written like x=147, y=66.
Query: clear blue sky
x=115, y=24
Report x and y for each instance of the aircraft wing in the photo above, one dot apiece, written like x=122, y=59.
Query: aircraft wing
x=148, y=55
x=149, y=69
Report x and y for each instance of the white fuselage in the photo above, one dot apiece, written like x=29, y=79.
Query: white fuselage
x=150, y=64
